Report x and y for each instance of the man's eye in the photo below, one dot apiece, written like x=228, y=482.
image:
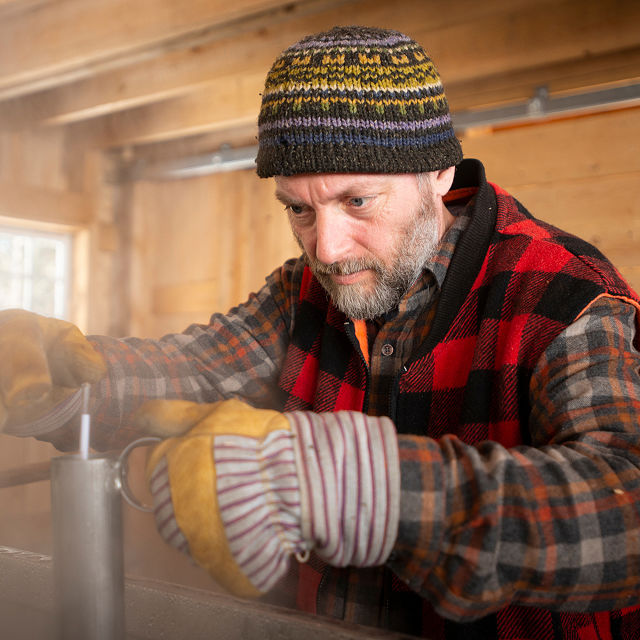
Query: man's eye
x=358, y=201
x=296, y=209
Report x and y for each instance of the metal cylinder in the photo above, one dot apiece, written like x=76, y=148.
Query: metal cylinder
x=88, y=566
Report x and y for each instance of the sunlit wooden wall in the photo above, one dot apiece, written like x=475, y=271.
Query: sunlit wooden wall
x=580, y=174
x=205, y=244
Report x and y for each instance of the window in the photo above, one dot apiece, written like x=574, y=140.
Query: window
x=35, y=271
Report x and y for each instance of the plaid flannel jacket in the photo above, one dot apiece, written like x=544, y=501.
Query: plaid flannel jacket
x=578, y=483
x=470, y=378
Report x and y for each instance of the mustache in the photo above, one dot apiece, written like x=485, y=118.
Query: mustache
x=344, y=268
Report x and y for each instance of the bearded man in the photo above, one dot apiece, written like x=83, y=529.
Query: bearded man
x=435, y=409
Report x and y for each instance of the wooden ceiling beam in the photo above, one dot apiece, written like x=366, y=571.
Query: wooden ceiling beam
x=576, y=53
x=568, y=76
x=12, y=6
x=231, y=104
x=528, y=37
x=61, y=41
x=171, y=74
x=215, y=86
x=51, y=43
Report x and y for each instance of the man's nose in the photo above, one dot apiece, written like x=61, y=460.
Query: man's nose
x=332, y=237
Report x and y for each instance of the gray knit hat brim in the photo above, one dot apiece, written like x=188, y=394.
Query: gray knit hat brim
x=290, y=158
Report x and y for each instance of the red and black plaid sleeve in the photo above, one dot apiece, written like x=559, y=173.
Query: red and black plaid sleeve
x=556, y=525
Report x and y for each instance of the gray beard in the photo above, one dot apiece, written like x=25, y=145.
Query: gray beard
x=417, y=247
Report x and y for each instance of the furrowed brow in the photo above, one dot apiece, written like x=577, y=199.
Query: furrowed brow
x=288, y=201
x=284, y=199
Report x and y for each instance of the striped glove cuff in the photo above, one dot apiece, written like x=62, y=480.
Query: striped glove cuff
x=349, y=475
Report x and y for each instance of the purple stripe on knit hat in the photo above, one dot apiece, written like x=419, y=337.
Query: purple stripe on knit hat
x=351, y=42
x=380, y=125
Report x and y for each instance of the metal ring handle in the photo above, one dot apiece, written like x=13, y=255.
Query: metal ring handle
x=125, y=489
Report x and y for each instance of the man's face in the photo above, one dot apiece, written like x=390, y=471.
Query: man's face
x=366, y=237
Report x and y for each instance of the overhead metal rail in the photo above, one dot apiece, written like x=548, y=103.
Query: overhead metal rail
x=539, y=107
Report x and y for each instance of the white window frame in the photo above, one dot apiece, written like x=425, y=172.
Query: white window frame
x=63, y=279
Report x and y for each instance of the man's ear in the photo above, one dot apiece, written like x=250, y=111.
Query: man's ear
x=442, y=181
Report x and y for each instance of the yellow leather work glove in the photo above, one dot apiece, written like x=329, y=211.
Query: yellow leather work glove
x=43, y=362
x=183, y=475
x=245, y=489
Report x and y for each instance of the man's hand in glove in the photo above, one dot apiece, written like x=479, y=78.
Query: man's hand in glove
x=43, y=362
x=244, y=489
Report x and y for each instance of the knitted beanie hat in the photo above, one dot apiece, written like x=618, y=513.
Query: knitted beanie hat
x=354, y=100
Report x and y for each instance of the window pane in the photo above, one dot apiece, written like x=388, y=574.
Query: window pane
x=34, y=271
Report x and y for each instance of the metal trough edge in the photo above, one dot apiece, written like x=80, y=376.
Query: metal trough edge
x=159, y=610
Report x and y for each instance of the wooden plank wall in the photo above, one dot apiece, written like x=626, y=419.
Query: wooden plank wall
x=206, y=243
x=580, y=174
